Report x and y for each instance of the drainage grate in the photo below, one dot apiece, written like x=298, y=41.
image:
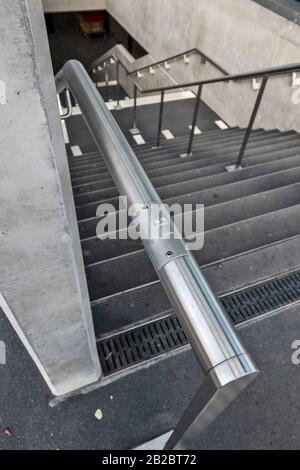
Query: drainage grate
x=140, y=344
x=262, y=298
x=146, y=342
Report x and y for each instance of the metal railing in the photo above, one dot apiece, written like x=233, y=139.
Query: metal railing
x=264, y=74
x=100, y=65
x=69, y=109
x=165, y=61
x=226, y=364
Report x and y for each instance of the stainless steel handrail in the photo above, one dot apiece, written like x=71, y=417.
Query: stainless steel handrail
x=227, y=366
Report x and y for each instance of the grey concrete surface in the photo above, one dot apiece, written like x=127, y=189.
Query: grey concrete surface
x=267, y=417
x=158, y=79
x=149, y=402
x=240, y=36
x=43, y=286
x=54, y=6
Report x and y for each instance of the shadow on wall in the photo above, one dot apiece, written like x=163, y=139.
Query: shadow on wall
x=67, y=42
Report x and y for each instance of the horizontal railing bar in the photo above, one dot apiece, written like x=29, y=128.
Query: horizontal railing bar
x=173, y=57
x=213, y=62
x=176, y=56
x=271, y=71
x=159, y=62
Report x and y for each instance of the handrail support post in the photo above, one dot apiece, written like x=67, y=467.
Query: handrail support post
x=118, y=106
x=194, y=122
x=160, y=119
x=106, y=80
x=238, y=164
x=134, y=130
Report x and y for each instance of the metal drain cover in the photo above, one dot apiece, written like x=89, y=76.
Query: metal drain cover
x=140, y=344
x=262, y=298
x=146, y=342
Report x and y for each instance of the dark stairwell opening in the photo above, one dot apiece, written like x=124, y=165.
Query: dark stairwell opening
x=68, y=41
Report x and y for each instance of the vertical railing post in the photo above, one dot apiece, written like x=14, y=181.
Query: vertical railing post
x=106, y=81
x=160, y=118
x=118, y=84
x=194, y=122
x=134, y=129
x=134, y=106
x=250, y=125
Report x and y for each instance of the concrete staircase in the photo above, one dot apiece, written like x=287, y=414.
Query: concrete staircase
x=252, y=238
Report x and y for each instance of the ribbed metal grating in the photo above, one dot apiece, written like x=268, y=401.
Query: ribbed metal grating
x=143, y=343
x=262, y=298
x=140, y=344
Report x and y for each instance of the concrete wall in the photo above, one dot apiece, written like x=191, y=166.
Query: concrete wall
x=55, y=6
x=239, y=35
x=42, y=279
x=160, y=78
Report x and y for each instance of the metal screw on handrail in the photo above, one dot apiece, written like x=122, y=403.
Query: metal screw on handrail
x=191, y=139
x=237, y=165
x=160, y=118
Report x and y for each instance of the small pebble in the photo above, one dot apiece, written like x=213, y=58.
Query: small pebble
x=98, y=414
x=7, y=432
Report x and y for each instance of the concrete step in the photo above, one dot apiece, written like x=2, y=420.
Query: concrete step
x=116, y=311
x=216, y=134
x=168, y=153
x=104, y=180
x=195, y=184
x=207, y=156
x=211, y=196
x=89, y=159
x=235, y=138
x=109, y=277
x=179, y=173
x=95, y=250
x=143, y=343
x=207, y=135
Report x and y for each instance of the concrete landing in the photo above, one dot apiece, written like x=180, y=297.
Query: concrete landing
x=178, y=117
x=264, y=417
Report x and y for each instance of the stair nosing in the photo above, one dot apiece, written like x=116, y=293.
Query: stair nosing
x=203, y=267
x=213, y=230
x=195, y=192
x=221, y=165
x=100, y=201
x=236, y=142
x=227, y=202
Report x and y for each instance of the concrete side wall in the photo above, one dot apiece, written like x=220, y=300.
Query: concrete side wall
x=240, y=36
x=56, y=6
x=42, y=280
x=160, y=78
